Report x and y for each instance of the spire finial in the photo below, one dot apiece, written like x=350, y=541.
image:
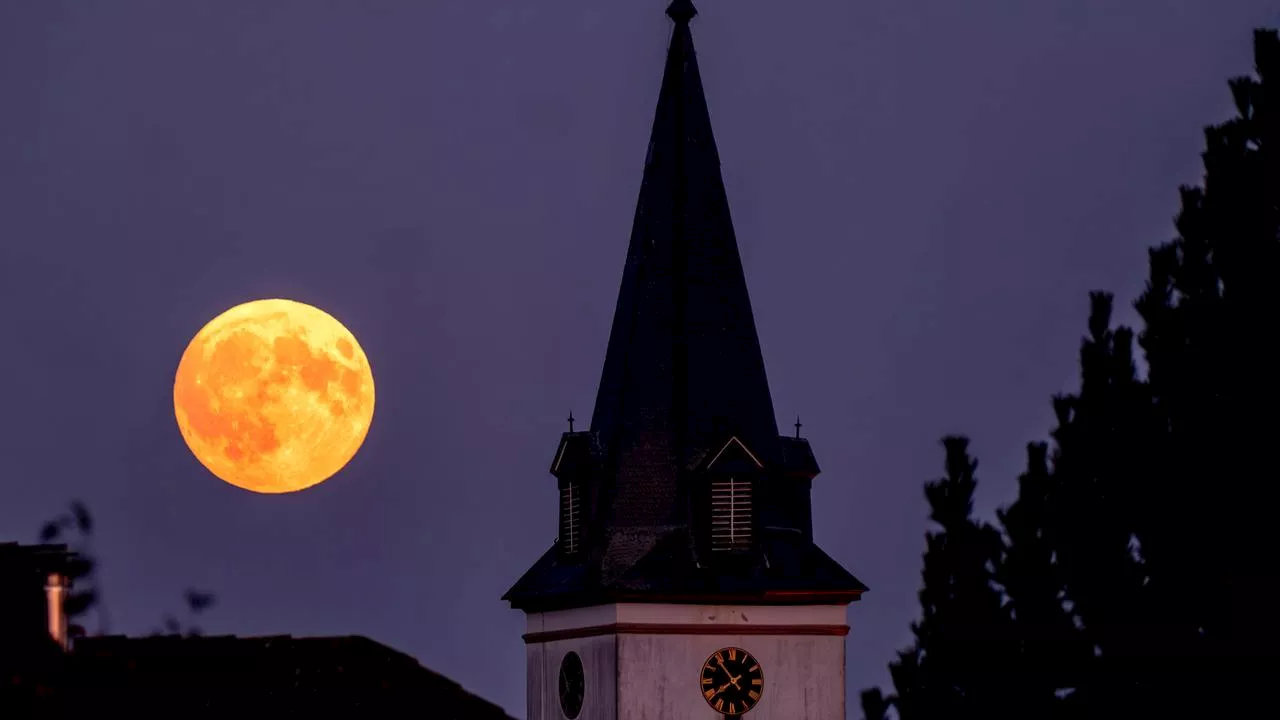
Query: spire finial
x=570, y=421
x=798, y=426
x=681, y=11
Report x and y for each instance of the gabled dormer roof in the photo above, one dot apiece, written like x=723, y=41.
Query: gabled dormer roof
x=796, y=458
x=574, y=456
x=730, y=457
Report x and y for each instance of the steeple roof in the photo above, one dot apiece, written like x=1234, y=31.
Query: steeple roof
x=683, y=369
x=683, y=380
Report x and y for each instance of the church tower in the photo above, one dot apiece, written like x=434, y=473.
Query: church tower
x=685, y=583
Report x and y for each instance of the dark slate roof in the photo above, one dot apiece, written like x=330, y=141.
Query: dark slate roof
x=23, y=605
x=574, y=456
x=29, y=658
x=792, y=565
x=683, y=379
x=797, y=457
x=44, y=559
x=796, y=571
x=350, y=676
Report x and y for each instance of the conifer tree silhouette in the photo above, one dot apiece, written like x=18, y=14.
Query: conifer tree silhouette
x=956, y=667
x=1210, y=313
x=1091, y=522
x=1138, y=569
x=1050, y=652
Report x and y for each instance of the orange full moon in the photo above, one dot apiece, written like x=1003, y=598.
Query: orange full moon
x=274, y=396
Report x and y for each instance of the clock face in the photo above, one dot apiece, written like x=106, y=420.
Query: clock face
x=573, y=685
x=731, y=681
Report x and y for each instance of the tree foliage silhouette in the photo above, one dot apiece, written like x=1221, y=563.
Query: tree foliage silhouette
x=76, y=528
x=1209, y=312
x=1049, y=653
x=1136, y=567
x=962, y=612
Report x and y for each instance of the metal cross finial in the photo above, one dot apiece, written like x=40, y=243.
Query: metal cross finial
x=570, y=421
x=682, y=11
x=798, y=427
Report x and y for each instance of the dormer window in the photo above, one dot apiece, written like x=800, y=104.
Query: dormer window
x=730, y=514
x=570, y=517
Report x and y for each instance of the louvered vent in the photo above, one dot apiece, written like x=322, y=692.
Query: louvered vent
x=730, y=514
x=570, y=517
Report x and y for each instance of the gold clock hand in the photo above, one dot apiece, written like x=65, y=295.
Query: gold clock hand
x=725, y=669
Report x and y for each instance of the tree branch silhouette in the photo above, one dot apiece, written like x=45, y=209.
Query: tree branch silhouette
x=75, y=527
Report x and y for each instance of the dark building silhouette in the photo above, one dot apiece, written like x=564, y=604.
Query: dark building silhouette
x=682, y=494
x=42, y=672
x=33, y=583
x=325, y=676
x=33, y=628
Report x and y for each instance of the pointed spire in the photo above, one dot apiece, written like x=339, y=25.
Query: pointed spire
x=681, y=11
x=683, y=379
x=684, y=368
